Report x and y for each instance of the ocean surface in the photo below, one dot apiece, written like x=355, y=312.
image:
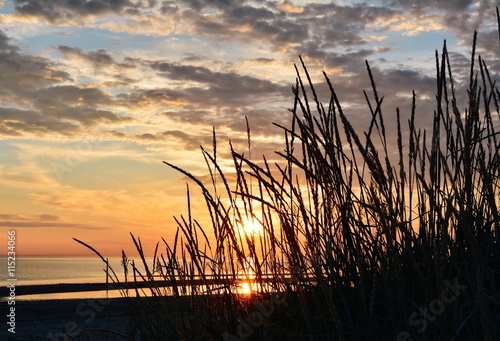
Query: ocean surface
x=56, y=270
x=60, y=270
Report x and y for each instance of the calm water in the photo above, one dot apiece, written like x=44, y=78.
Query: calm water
x=55, y=270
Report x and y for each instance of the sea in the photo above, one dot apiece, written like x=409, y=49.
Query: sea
x=71, y=270
x=57, y=270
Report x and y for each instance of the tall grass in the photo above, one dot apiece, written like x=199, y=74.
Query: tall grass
x=362, y=239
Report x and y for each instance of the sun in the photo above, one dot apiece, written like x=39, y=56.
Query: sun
x=250, y=226
x=245, y=288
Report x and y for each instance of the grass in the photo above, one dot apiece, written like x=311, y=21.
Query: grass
x=359, y=242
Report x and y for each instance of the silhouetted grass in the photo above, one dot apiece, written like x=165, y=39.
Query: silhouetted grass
x=363, y=237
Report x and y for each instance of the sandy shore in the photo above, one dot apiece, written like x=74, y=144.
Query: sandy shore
x=80, y=319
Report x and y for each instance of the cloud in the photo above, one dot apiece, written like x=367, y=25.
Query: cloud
x=67, y=10
x=20, y=71
x=34, y=102
x=98, y=58
x=41, y=221
x=217, y=88
x=198, y=5
x=16, y=123
x=290, y=8
x=64, y=110
x=378, y=38
x=455, y=5
x=21, y=217
x=177, y=139
x=247, y=24
x=158, y=97
x=5, y=47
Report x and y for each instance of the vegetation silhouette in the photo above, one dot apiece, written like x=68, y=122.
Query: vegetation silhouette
x=357, y=243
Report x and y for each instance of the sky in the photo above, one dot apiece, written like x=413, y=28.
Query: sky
x=95, y=94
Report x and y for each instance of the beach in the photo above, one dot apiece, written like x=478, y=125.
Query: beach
x=96, y=318
x=80, y=319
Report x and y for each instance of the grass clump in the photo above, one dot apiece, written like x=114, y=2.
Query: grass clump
x=358, y=242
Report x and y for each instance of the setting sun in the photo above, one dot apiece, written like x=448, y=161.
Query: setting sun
x=250, y=226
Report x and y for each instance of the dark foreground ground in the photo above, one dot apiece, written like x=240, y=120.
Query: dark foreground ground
x=69, y=319
x=80, y=319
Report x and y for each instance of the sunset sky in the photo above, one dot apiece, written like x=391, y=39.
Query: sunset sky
x=95, y=94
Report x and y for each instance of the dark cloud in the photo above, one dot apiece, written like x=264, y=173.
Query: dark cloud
x=5, y=46
x=248, y=13
x=70, y=95
x=166, y=135
x=65, y=10
x=455, y=5
x=349, y=61
x=263, y=60
x=202, y=74
x=20, y=71
x=317, y=32
x=16, y=122
x=98, y=58
x=233, y=118
x=34, y=103
x=247, y=23
x=198, y=5
x=260, y=121
x=192, y=57
x=60, y=109
x=21, y=76
x=158, y=96
x=326, y=27
x=191, y=116
x=185, y=141
x=222, y=88
x=460, y=17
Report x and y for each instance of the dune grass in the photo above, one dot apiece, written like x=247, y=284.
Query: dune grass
x=360, y=240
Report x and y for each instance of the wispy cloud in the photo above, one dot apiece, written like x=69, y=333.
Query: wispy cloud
x=41, y=221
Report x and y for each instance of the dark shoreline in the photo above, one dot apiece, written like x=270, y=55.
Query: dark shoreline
x=56, y=288
x=80, y=287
